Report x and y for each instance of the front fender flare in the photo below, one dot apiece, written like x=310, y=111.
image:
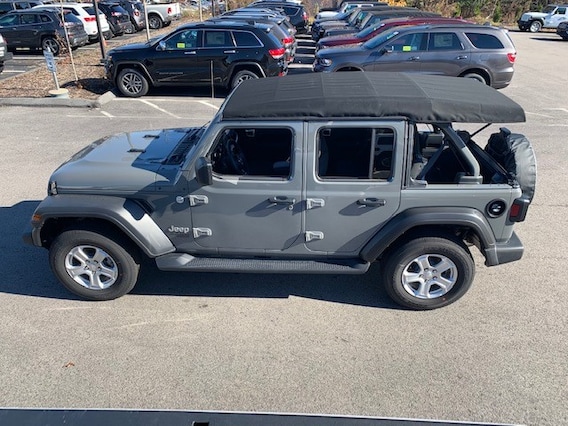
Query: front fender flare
x=125, y=214
x=432, y=216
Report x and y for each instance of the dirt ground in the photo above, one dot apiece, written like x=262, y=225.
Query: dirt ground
x=84, y=80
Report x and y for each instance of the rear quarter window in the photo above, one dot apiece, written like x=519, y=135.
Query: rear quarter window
x=246, y=39
x=484, y=41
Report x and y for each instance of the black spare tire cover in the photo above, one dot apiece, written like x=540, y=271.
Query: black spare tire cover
x=515, y=153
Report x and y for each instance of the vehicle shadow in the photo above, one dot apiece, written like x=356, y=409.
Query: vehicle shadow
x=26, y=272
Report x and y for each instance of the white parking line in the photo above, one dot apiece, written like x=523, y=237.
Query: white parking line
x=14, y=71
x=215, y=107
x=158, y=108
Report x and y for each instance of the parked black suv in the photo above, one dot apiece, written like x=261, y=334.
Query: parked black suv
x=117, y=17
x=195, y=54
x=8, y=6
x=41, y=29
x=296, y=12
x=135, y=10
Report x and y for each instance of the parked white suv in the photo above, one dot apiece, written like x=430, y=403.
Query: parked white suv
x=550, y=17
x=86, y=13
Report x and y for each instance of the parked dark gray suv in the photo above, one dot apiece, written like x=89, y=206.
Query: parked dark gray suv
x=481, y=52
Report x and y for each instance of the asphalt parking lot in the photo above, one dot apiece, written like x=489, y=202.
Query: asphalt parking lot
x=289, y=343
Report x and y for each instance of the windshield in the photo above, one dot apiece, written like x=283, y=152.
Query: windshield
x=549, y=9
x=380, y=39
x=368, y=30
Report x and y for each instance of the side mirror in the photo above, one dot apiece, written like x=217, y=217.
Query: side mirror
x=161, y=45
x=387, y=49
x=204, y=171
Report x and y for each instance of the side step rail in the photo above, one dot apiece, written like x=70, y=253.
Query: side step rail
x=187, y=262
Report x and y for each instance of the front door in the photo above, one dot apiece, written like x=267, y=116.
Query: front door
x=353, y=186
x=254, y=202
x=402, y=53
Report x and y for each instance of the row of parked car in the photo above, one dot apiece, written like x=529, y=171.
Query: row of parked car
x=43, y=24
x=246, y=43
x=378, y=37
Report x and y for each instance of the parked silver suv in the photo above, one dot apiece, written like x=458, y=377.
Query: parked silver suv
x=481, y=52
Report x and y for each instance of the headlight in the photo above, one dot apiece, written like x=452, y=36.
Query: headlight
x=325, y=62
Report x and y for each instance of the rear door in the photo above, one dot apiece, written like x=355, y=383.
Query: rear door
x=446, y=54
x=217, y=54
x=353, y=183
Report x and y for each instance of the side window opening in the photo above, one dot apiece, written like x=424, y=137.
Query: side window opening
x=355, y=153
x=262, y=152
x=436, y=160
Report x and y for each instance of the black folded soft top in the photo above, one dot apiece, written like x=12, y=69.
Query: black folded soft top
x=421, y=98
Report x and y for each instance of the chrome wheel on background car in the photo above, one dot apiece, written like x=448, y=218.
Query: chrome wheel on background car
x=51, y=45
x=132, y=83
x=535, y=27
x=241, y=76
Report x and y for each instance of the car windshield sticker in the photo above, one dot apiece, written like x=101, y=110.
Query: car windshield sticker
x=406, y=48
x=180, y=45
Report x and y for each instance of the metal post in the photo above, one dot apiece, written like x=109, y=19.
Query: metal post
x=101, y=36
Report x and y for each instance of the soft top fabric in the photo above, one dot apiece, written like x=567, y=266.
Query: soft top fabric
x=421, y=98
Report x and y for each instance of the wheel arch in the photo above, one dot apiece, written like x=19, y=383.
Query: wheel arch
x=466, y=224
x=241, y=66
x=134, y=65
x=484, y=73
x=109, y=215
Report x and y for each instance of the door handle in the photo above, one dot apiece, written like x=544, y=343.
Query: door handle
x=190, y=52
x=461, y=57
x=230, y=51
x=414, y=58
x=371, y=202
x=281, y=200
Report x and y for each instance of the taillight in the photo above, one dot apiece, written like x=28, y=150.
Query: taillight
x=116, y=14
x=511, y=57
x=305, y=16
x=277, y=53
x=169, y=11
x=136, y=13
x=288, y=40
x=90, y=19
x=519, y=208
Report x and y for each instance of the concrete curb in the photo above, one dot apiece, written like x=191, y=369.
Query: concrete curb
x=59, y=102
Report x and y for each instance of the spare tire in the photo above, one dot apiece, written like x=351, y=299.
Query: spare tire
x=515, y=153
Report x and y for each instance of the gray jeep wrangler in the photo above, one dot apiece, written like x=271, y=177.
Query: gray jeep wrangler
x=301, y=174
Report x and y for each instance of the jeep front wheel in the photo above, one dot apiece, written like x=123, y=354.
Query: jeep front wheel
x=428, y=272
x=92, y=265
x=535, y=26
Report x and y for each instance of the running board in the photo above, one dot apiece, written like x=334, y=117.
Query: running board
x=187, y=262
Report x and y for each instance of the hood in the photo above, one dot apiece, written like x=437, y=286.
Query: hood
x=127, y=162
x=129, y=47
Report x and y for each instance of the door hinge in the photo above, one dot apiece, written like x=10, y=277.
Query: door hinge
x=202, y=232
x=314, y=202
x=313, y=235
x=195, y=200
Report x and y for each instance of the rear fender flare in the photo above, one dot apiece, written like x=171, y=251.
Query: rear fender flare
x=422, y=218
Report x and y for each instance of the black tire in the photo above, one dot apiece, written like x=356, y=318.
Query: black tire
x=241, y=76
x=50, y=43
x=476, y=76
x=155, y=22
x=132, y=83
x=412, y=277
x=92, y=265
x=535, y=26
x=129, y=29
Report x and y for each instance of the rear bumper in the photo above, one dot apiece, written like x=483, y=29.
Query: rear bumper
x=507, y=252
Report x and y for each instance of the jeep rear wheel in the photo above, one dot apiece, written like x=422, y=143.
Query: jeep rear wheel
x=132, y=83
x=92, y=265
x=155, y=22
x=428, y=272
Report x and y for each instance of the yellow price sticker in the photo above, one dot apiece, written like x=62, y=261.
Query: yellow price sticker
x=180, y=45
x=406, y=48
